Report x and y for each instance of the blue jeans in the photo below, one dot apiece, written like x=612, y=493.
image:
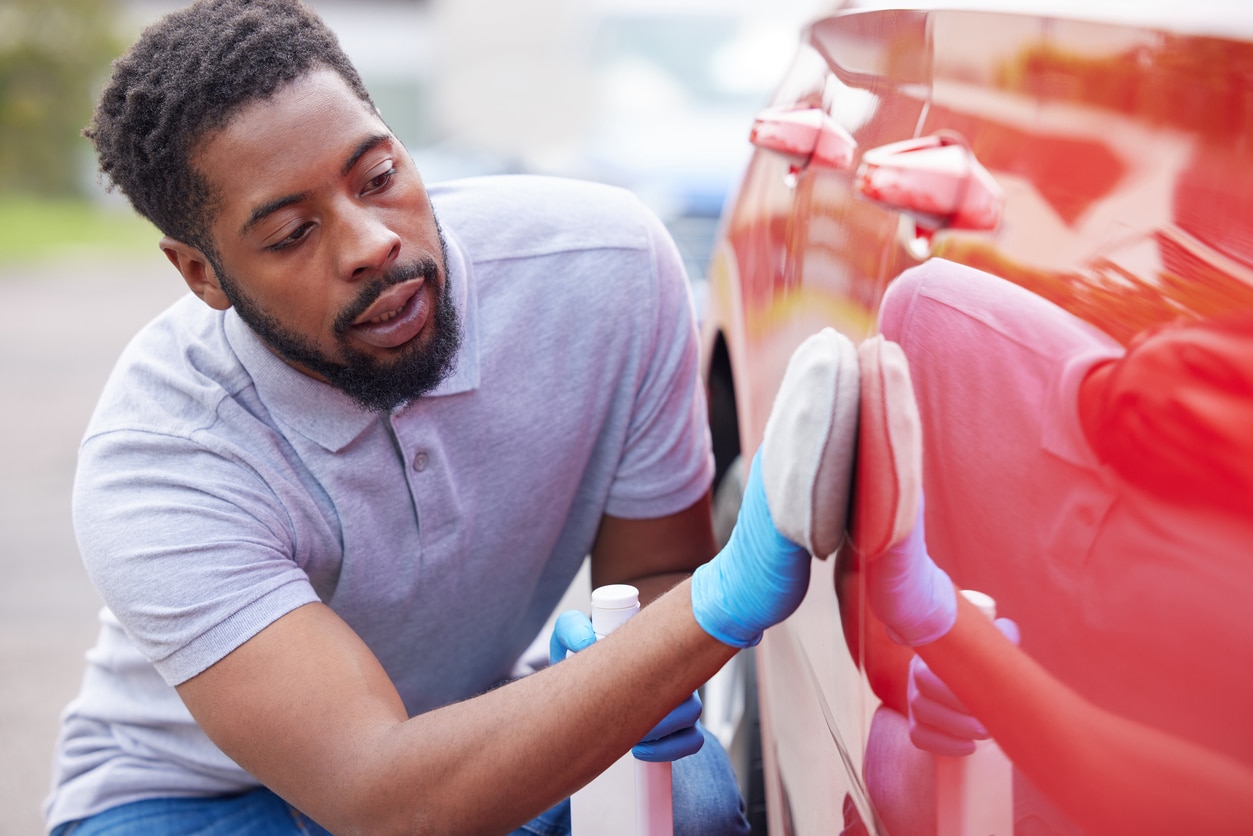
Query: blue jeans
x=256, y=813
x=706, y=803
x=706, y=799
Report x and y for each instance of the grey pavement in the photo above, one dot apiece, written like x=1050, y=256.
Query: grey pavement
x=61, y=327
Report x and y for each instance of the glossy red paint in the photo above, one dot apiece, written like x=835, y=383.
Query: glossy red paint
x=809, y=138
x=1106, y=166
x=934, y=179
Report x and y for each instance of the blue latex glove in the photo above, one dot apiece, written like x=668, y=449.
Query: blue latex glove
x=909, y=593
x=676, y=736
x=572, y=632
x=938, y=722
x=757, y=580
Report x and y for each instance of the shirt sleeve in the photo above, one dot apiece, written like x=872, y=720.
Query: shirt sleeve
x=188, y=546
x=668, y=461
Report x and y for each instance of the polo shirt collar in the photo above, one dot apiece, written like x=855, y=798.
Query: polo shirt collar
x=326, y=415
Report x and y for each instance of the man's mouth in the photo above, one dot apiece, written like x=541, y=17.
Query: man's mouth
x=396, y=317
x=381, y=318
x=388, y=303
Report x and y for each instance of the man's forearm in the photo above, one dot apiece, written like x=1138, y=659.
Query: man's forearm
x=596, y=705
x=307, y=708
x=652, y=587
x=347, y=756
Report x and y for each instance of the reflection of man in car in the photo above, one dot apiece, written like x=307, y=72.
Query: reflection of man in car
x=331, y=506
x=1104, y=500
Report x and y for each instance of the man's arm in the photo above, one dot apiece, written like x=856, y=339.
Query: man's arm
x=653, y=554
x=306, y=708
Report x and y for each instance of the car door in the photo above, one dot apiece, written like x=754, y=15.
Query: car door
x=806, y=251
x=1120, y=147
x=1100, y=161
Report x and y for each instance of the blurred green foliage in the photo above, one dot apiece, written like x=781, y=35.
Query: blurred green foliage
x=36, y=229
x=54, y=58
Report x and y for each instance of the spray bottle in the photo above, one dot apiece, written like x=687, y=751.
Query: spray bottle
x=631, y=797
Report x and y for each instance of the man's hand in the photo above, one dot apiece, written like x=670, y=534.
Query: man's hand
x=572, y=632
x=757, y=580
x=938, y=721
x=908, y=592
x=676, y=736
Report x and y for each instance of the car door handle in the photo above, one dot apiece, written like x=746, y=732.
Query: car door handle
x=807, y=138
x=936, y=179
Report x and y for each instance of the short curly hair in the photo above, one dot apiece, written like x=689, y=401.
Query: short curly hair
x=187, y=75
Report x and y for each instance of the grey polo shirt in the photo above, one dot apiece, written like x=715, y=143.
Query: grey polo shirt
x=219, y=489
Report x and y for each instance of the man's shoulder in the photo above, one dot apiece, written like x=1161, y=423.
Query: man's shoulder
x=173, y=374
x=521, y=216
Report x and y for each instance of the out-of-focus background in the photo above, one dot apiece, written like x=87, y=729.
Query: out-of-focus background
x=653, y=95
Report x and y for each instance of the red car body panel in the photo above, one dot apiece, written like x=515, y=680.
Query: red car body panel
x=1105, y=165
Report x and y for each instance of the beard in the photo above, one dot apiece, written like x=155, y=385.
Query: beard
x=375, y=385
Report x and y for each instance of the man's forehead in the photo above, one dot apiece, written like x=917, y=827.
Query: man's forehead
x=315, y=123
x=301, y=104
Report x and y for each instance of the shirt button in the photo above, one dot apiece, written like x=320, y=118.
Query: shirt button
x=420, y=461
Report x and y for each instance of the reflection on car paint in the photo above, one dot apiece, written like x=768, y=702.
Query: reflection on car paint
x=1124, y=153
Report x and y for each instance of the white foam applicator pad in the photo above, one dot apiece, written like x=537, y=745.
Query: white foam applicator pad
x=889, y=454
x=810, y=441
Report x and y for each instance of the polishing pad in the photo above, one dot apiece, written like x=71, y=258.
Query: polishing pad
x=810, y=441
x=889, y=450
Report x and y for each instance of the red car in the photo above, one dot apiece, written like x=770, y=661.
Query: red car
x=1067, y=191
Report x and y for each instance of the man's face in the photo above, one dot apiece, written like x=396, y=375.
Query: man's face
x=326, y=243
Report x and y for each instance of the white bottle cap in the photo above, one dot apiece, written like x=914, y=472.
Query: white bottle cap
x=985, y=603
x=612, y=605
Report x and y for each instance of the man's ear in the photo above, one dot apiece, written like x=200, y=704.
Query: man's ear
x=196, y=271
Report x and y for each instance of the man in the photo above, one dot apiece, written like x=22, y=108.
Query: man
x=331, y=499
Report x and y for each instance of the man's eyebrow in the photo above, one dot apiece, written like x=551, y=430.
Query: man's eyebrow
x=266, y=209
x=364, y=148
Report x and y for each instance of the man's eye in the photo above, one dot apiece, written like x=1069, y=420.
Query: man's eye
x=295, y=236
x=380, y=181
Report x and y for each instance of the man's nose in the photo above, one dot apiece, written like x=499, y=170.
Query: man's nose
x=367, y=244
